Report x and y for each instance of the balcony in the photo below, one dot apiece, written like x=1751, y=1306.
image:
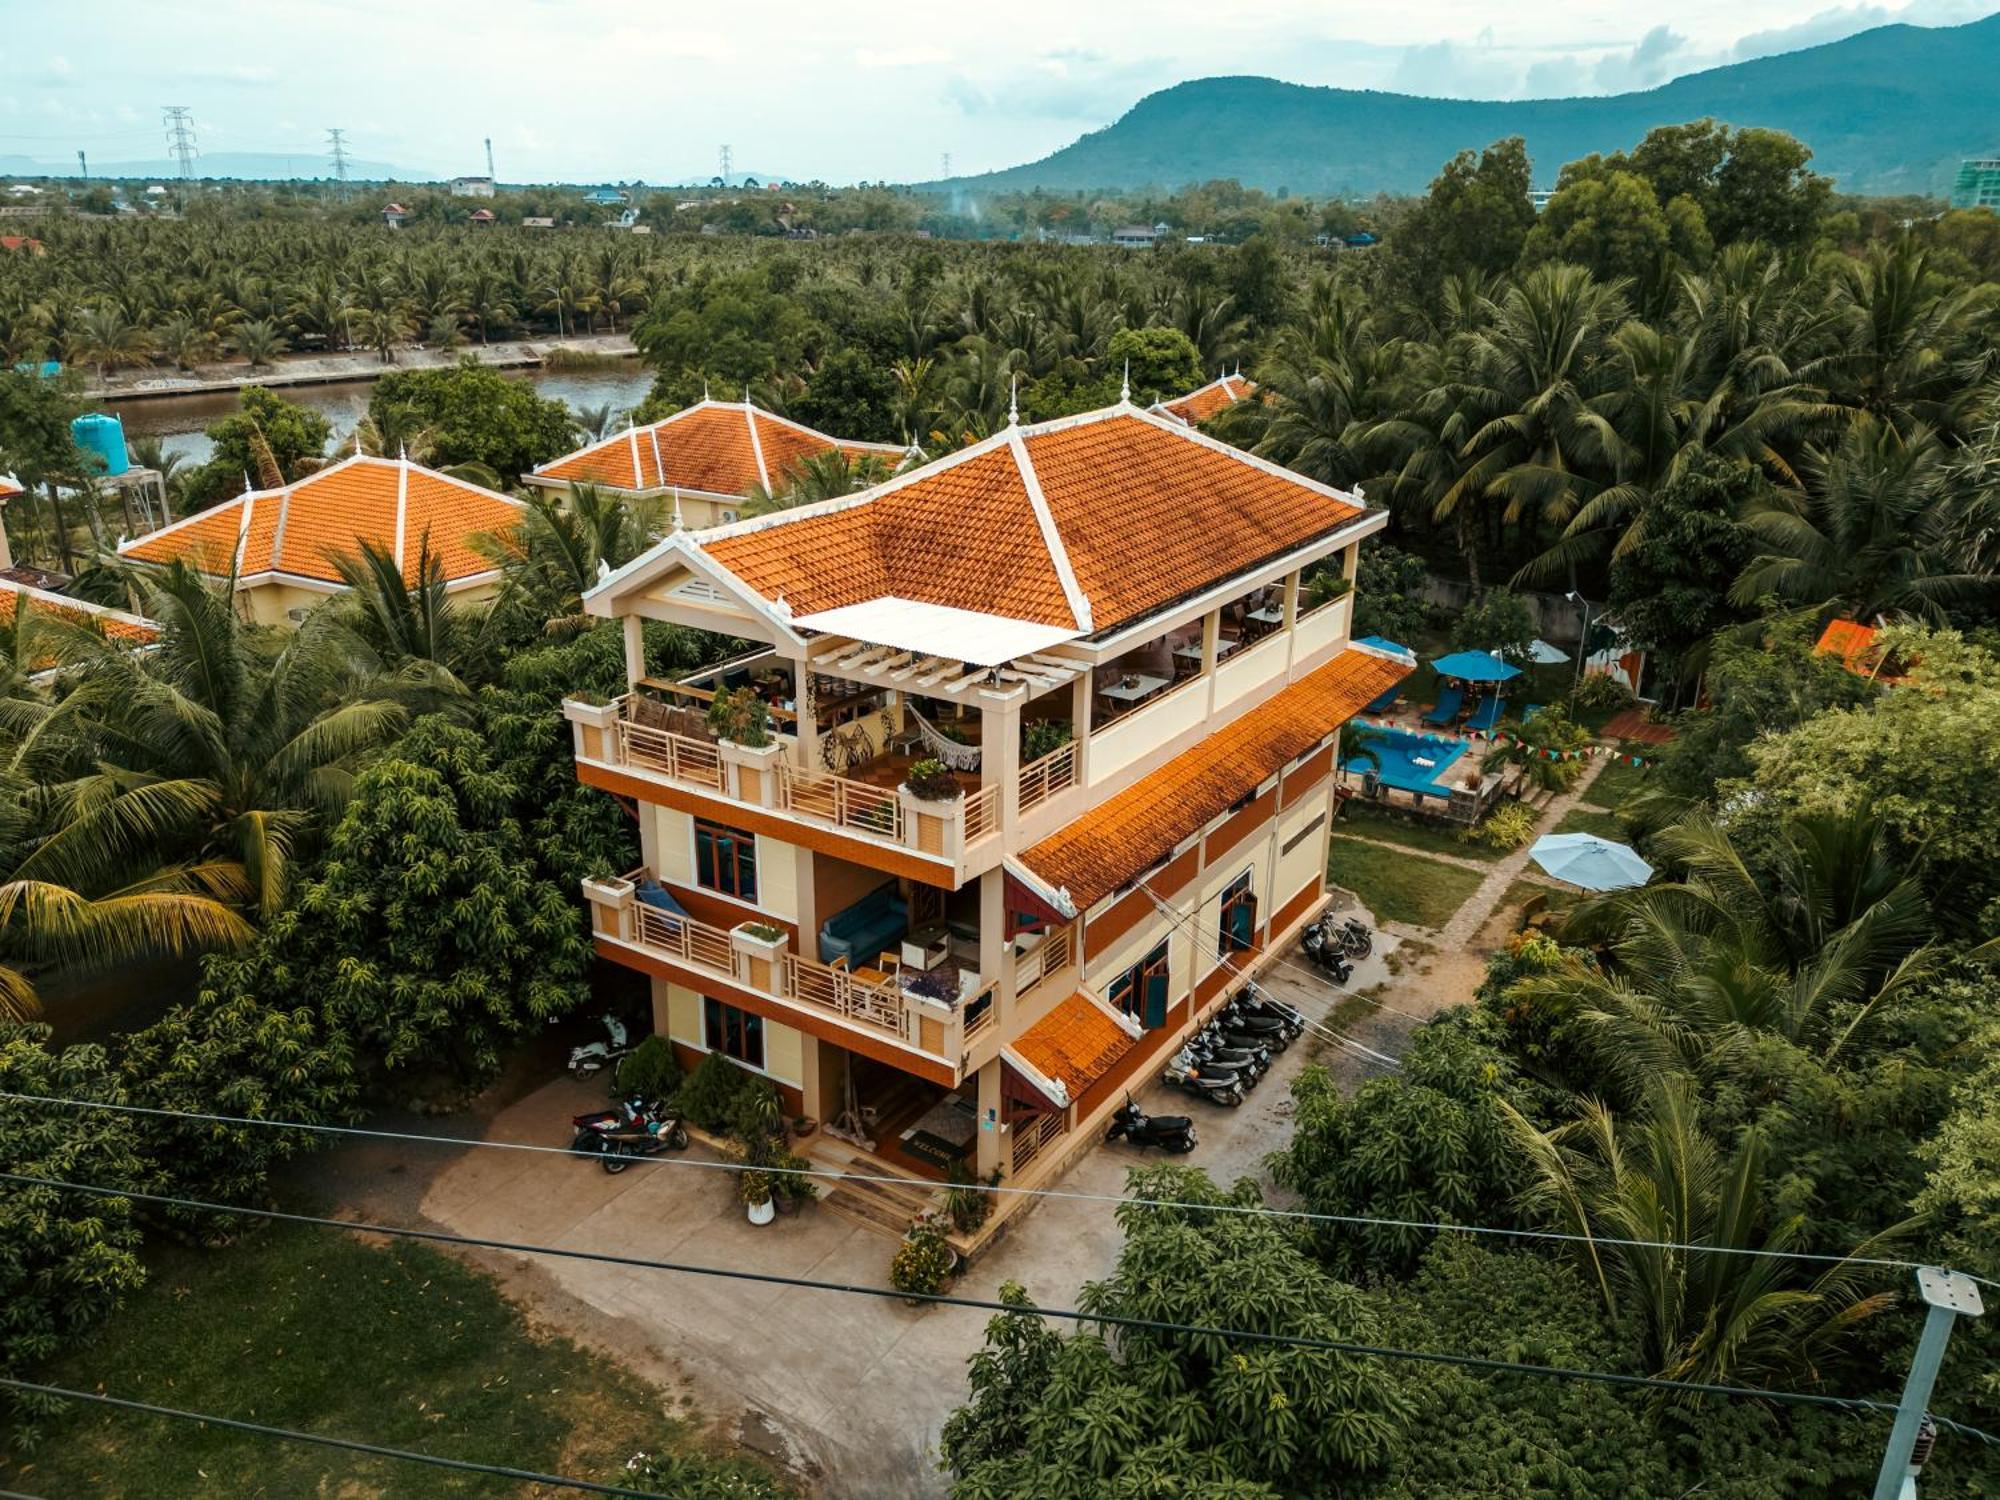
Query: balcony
x=877, y=1003
x=772, y=777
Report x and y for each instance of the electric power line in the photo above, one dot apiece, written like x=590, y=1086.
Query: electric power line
x=336, y=140
x=323, y=1440
x=1069, y=1195
x=991, y=1305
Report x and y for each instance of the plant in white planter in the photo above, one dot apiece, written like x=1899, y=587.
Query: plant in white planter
x=756, y=1190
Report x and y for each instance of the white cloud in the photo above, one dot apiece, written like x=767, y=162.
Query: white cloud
x=1660, y=55
x=902, y=57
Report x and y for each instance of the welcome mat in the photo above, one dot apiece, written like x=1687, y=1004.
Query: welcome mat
x=939, y=1153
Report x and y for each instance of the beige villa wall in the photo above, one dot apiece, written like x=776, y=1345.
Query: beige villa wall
x=677, y=1016
x=777, y=865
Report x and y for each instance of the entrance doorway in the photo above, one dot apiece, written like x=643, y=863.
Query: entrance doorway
x=921, y=1128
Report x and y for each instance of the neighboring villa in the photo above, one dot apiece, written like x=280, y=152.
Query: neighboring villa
x=280, y=545
x=113, y=624
x=704, y=459
x=1196, y=407
x=1103, y=628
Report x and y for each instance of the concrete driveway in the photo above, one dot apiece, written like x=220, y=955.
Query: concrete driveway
x=849, y=1392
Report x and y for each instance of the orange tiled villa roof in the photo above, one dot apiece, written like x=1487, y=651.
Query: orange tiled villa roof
x=1197, y=406
x=1140, y=827
x=1074, y=1045
x=115, y=624
x=298, y=530
x=1083, y=524
x=712, y=448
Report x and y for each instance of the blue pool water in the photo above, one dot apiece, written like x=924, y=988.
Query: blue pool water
x=1393, y=755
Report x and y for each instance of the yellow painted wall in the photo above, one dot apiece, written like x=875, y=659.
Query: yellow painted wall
x=777, y=863
x=675, y=834
x=1302, y=866
x=784, y=1046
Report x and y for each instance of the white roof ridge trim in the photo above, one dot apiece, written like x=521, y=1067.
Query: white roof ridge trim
x=64, y=601
x=756, y=444
x=1079, y=602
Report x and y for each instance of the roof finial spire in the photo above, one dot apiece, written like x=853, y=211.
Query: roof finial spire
x=1014, y=399
x=403, y=453
x=1125, y=389
x=680, y=522
x=704, y=387
x=746, y=395
x=357, y=440
x=247, y=485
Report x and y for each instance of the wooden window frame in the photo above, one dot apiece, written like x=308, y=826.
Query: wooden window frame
x=733, y=1032
x=1236, y=896
x=709, y=874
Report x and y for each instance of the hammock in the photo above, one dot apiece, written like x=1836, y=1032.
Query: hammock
x=958, y=757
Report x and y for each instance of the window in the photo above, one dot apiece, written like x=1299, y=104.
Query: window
x=732, y=1032
x=725, y=859
x=1239, y=917
x=1141, y=991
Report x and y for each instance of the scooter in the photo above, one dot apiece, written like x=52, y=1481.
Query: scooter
x=1324, y=951
x=1173, y=1133
x=1218, y=1062
x=1254, y=1003
x=1356, y=941
x=634, y=1129
x=1247, y=1057
x=1216, y=1089
x=1267, y=1031
x=1223, y=1031
x=592, y=1058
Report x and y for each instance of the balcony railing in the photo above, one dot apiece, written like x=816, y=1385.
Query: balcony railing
x=1042, y=779
x=1032, y=1137
x=982, y=813
x=1052, y=953
x=673, y=755
x=844, y=803
x=757, y=961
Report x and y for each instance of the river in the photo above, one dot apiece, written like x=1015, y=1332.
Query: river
x=180, y=421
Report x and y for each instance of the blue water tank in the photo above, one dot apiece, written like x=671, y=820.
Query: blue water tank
x=102, y=434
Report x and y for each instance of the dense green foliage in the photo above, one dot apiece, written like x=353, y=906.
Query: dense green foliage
x=470, y=414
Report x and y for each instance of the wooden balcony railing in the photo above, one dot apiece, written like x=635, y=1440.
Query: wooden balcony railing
x=1055, y=951
x=672, y=755
x=844, y=803
x=1032, y=1137
x=982, y=813
x=1042, y=779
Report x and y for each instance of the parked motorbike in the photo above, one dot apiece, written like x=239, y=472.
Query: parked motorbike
x=1245, y=1074
x=633, y=1129
x=1247, y=1058
x=592, y=1058
x=1356, y=941
x=1324, y=949
x=1253, y=1002
x=1268, y=1031
x=1170, y=1132
x=1223, y=1033
x=1184, y=1074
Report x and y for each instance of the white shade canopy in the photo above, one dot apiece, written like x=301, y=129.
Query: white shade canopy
x=967, y=635
x=1584, y=859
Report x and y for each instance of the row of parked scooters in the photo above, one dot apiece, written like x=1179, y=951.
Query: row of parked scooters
x=1230, y=1055
x=1336, y=946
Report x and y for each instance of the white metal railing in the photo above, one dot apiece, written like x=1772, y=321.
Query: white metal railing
x=1053, y=773
x=982, y=813
x=1033, y=1137
x=979, y=1013
x=672, y=755
x=844, y=803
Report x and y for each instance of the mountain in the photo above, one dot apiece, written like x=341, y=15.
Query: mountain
x=264, y=166
x=1885, y=111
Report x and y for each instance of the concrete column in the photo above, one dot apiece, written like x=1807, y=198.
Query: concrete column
x=1000, y=753
x=808, y=901
x=807, y=754
x=635, y=650
x=990, y=1142
x=1291, y=618
x=1079, y=723
x=6, y=552
x=996, y=960
x=1211, y=633
x=1350, y=560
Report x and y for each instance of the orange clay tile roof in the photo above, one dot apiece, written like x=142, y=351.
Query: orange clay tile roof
x=115, y=624
x=1074, y=1044
x=300, y=529
x=1144, y=512
x=1850, y=640
x=708, y=447
x=1135, y=830
x=1196, y=407
x=10, y=487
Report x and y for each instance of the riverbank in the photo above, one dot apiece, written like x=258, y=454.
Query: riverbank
x=334, y=369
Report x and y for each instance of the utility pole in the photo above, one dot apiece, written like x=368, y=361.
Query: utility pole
x=724, y=153
x=1951, y=1295
x=82, y=166
x=336, y=140
x=489, y=163
x=179, y=120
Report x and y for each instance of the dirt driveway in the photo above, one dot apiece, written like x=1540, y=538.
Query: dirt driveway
x=849, y=1392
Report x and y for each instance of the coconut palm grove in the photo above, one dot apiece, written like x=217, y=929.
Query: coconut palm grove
x=1627, y=1198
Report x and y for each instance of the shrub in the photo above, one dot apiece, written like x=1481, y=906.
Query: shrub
x=1041, y=737
x=933, y=781
x=708, y=1097
x=649, y=1070
x=1509, y=826
x=923, y=1261
x=964, y=1204
x=754, y=1187
x=741, y=717
x=1600, y=690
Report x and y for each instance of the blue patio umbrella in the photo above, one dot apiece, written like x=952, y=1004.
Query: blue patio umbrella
x=1584, y=859
x=1381, y=644
x=1475, y=666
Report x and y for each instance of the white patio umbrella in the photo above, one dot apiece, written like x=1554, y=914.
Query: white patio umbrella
x=1542, y=654
x=1595, y=864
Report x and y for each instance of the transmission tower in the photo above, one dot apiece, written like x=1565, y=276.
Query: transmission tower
x=724, y=153
x=944, y=164
x=82, y=167
x=179, y=120
x=489, y=161
x=336, y=140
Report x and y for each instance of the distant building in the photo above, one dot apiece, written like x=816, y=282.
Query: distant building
x=394, y=214
x=481, y=216
x=1538, y=198
x=606, y=196
x=1136, y=236
x=1977, y=184
x=156, y=190
x=535, y=222
x=472, y=187
x=22, y=244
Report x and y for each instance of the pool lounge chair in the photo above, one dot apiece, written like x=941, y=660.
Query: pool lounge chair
x=1386, y=702
x=1488, y=713
x=1450, y=700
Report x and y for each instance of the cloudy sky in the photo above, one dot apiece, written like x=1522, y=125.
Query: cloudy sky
x=841, y=89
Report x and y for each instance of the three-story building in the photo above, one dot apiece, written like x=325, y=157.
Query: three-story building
x=1128, y=646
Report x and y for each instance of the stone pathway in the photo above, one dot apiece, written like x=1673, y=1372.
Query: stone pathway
x=1462, y=861
x=1466, y=922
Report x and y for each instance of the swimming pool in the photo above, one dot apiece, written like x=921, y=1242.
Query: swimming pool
x=1394, y=756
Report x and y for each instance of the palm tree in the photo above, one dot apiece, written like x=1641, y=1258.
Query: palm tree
x=107, y=338
x=1633, y=1189
x=410, y=622
x=206, y=753
x=382, y=328
x=559, y=552
x=820, y=476
x=593, y=424
x=184, y=341
x=257, y=341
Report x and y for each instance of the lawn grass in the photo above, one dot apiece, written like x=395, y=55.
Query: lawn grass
x=1615, y=783
x=1517, y=894
x=1365, y=820
x=1588, y=820
x=316, y=1330
x=1399, y=887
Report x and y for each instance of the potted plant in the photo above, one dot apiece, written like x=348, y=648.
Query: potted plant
x=762, y=949
x=755, y=1187
x=741, y=717
x=923, y=1262
x=1040, y=737
x=964, y=1203
x=803, y=1125
x=931, y=780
